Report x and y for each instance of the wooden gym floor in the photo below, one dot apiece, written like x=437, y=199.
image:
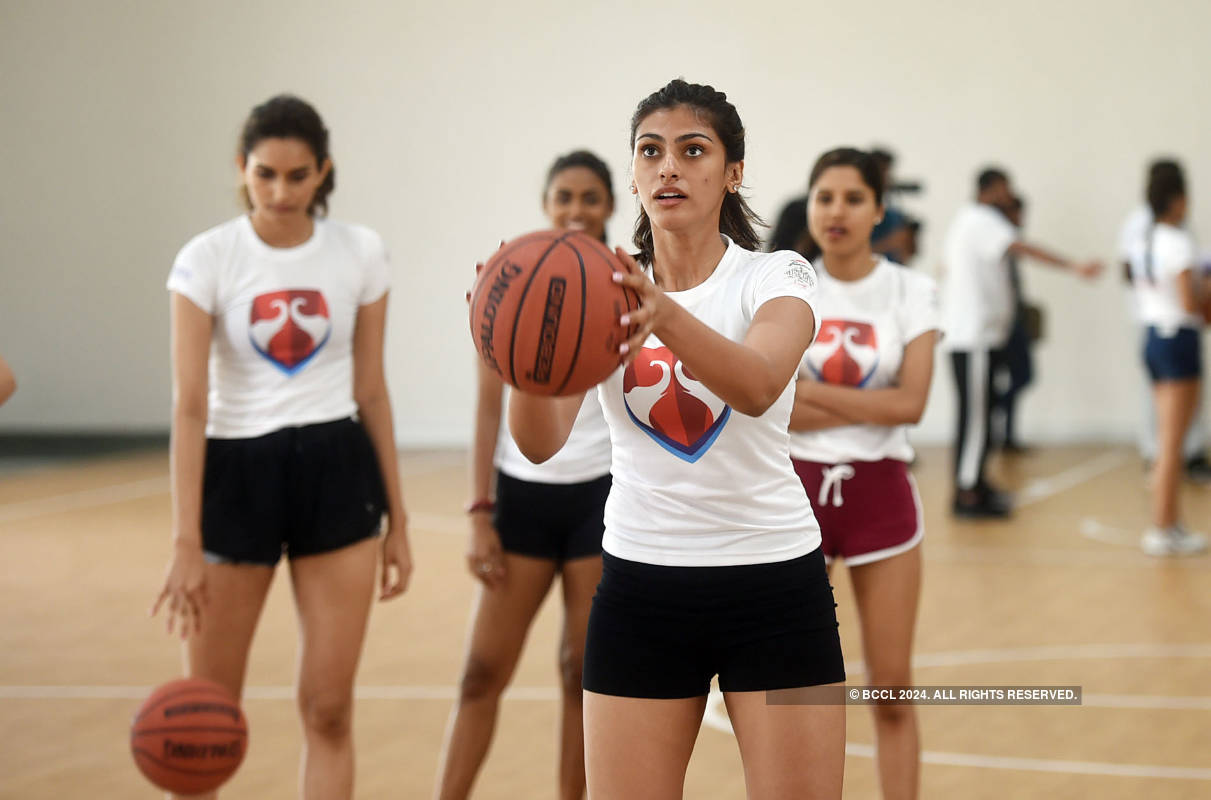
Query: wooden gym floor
x=1060, y=595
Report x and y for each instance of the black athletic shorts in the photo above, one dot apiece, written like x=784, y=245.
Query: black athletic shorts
x=664, y=632
x=300, y=490
x=558, y=521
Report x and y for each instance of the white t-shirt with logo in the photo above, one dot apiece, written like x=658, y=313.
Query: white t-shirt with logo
x=281, y=353
x=1156, y=260
x=695, y=482
x=584, y=457
x=866, y=325
x=978, y=296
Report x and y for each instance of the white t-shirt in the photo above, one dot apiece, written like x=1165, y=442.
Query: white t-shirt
x=1135, y=228
x=1156, y=261
x=584, y=457
x=696, y=483
x=867, y=324
x=978, y=297
x=282, y=349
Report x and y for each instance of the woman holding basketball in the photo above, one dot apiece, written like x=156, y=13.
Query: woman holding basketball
x=711, y=562
x=545, y=521
x=863, y=382
x=277, y=342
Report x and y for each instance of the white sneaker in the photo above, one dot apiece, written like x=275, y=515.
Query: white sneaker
x=1173, y=541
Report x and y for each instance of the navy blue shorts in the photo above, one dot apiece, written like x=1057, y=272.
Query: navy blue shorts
x=664, y=632
x=1173, y=358
x=556, y=521
x=300, y=491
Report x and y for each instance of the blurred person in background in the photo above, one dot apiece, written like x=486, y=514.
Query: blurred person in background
x=8, y=382
x=895, y=236
x=978, y=314
x=1172, y=299
x=1018, y=370
x=1194, y=445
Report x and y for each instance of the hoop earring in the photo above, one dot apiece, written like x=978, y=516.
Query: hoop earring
x=634, y=189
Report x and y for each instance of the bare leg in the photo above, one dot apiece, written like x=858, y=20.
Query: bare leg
x=580, y=579
x=638, y=749
x=499, y=624
x=1175, y=403
x=788, y=750
x=332, y=592
x=219, y=651
x=887, y=592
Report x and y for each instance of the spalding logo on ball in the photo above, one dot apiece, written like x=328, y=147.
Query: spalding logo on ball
x=545, y=310
x=189, y=736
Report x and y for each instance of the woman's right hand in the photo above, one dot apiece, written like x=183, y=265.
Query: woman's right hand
x=485, y=556
x=184, y=589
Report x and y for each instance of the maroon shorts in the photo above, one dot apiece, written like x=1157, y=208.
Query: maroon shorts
x=868, y=510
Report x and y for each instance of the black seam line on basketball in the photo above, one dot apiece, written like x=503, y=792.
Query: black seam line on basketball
x=580, y=330
x=176, y=768
x=521, y=303
x=179, y=729
x=476, y=286
x=216, y=690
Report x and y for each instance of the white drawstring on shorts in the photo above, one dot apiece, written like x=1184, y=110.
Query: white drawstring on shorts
x=832, y=480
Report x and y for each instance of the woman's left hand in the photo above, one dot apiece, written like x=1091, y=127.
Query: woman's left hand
x=654, y=306
x=397, y=562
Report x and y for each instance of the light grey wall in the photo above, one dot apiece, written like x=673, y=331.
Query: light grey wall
x=119, y=122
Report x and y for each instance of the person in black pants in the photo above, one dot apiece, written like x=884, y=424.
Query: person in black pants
x=1018, y=368
x=979, y=313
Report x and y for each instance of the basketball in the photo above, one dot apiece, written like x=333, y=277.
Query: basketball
x=545, y=311
x=189, y=736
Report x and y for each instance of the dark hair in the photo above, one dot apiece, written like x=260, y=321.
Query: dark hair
x=736, y=219
x=989, y=177
x=1164, y=165
x=868, y=167
x=580, y=158
x=288, y=117
x=882, y=156
x=1166, y=183
x=866, y=164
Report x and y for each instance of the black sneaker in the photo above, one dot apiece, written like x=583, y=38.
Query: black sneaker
x=982, y=503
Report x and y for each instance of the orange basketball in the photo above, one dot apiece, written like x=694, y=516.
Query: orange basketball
x=189, y=736
x=545, y=309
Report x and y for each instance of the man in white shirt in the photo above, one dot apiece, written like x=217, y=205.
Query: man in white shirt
x=978, y=315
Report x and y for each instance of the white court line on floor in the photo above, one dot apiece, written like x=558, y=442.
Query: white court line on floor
x=1091, y=528
x=1147, y=702
x=22, y=510
x=1044, y=488
x=523, y=693
x=84, y=498
x=716, y=717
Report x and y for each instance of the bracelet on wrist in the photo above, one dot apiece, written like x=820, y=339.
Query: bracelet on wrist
x=481, y=505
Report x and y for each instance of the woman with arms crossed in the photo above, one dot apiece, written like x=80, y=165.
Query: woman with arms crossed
x=863, y=382
x=277, y=342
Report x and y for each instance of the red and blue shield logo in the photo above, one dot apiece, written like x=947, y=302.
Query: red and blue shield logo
x=669, y=405
x=289, y=327
x=845, y=353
